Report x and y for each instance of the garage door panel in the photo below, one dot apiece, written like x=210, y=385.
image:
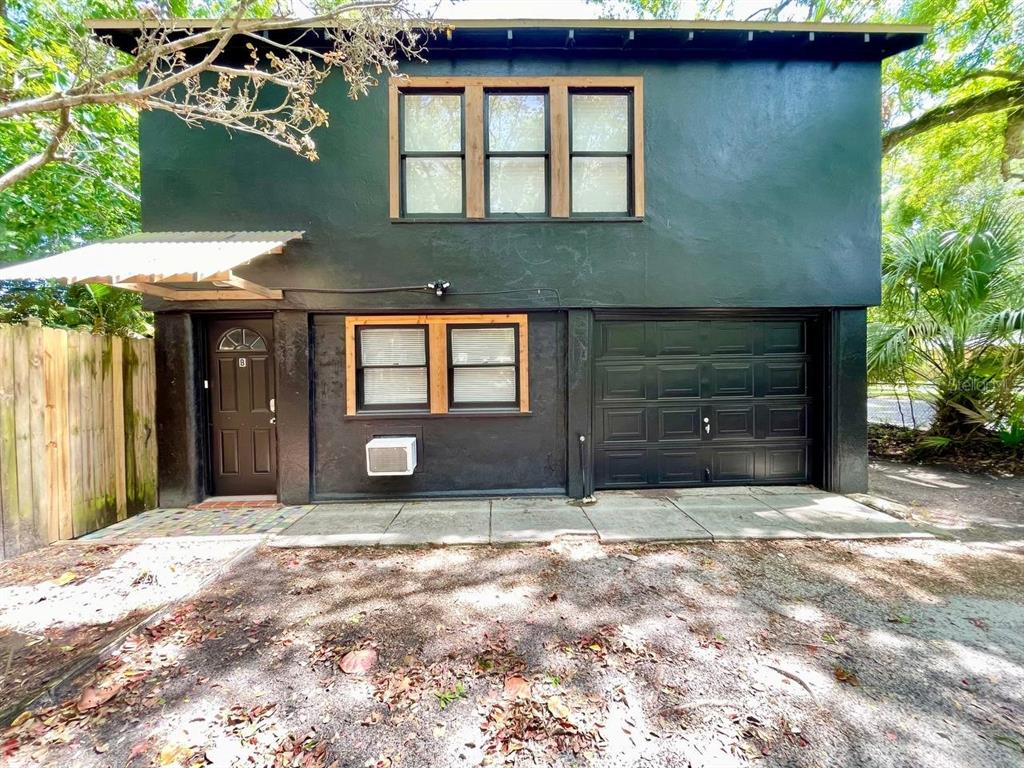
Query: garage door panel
x=732, y=422
x=675, y=381
x=731, y=380
x=731, y=338
x=677, y=423
x=734, y=465
x=679, y=466
x=622, y=468
x=622, y=382
x=784, y=337
x=622, y=339
x=624, y=425
x=782, y=421
x=788, y=463
x=783, y=379
x=695, y=402
x=678, y=338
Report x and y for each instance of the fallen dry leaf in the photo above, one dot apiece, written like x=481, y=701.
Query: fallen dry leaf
x=517, y=687
x=93, y=697
x=174, y=754
x=27, y=714
x=844, y=675
x=359, y=661
x=557, y=708
x=65, y=578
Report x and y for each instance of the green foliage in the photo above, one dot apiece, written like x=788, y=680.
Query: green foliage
x=638, y=9
x=91, y=195
x=100, y=307
x=935, y=175
x=952, y=313
x=448, y=697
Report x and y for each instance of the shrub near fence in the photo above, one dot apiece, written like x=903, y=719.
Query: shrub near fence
x=77, y=441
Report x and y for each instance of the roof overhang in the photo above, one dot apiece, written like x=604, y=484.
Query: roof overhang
x=729, y=39
x=176, y=266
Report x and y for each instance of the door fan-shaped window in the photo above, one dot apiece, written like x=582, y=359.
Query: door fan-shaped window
x=241, y=340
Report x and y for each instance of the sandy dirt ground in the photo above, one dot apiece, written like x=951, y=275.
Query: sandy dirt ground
x=777, y=654
x=63, y=605
x=969, y=507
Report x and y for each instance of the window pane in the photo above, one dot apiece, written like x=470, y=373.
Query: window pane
x=516, y=122
x=600, y=122
x=433, y=122
x=518, y=185
x=483, y=385
x=433, y=185
x=395, y=386
x=393, y=346
x=599, y=185
x=474, y=346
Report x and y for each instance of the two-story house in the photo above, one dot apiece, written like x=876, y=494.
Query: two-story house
x=557, y=257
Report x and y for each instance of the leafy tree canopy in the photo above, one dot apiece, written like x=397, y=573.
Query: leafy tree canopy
x=95, y=193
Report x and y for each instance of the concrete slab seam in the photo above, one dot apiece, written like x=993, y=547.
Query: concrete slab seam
x=388, y=526
x=695, y=522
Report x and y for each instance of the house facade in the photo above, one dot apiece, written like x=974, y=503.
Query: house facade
x=559, y=256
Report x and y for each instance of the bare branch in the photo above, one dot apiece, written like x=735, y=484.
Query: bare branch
x=34, y=163
x=92, y=91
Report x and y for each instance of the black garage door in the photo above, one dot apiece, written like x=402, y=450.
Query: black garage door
x=700, y=402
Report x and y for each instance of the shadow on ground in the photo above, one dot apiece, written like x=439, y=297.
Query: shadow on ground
x=794, y=653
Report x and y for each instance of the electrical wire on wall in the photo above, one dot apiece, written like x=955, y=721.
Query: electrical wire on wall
x=440, y=288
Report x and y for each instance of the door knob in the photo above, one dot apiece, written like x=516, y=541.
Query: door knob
x=273, y=419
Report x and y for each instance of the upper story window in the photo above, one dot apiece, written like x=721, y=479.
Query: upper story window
x=516, y=147
x=517, y=154
x=601, y=146
x=433, y=157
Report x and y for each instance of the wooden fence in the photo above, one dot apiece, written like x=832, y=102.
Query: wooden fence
x=77, y=440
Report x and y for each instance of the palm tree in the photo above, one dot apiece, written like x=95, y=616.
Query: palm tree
x=952, y=314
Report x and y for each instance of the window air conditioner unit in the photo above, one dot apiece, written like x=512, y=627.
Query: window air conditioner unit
x=390, y=456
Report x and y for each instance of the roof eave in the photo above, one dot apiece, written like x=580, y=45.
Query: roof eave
x=680, y=24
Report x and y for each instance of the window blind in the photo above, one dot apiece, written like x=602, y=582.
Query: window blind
x=482, y=346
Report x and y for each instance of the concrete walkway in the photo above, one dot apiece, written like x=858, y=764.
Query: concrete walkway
x=676, y=515
x=704, y=514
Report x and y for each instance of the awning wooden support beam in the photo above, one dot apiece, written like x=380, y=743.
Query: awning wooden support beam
x=177, y=294
x=240, y=283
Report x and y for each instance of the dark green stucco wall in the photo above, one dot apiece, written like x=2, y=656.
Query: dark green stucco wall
x=762, y=190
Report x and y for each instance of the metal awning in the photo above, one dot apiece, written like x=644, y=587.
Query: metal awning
x=177, y=266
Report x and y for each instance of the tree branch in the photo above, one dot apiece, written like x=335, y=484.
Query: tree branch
x=34, y=163
x=1008, y=97
x=89, y=93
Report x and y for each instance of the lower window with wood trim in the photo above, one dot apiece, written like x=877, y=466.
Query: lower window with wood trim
x=436, y=364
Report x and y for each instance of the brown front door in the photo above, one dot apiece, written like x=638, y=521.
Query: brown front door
x=244, y=444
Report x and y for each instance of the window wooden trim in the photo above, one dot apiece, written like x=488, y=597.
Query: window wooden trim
x=473, y=116
x=437, y=356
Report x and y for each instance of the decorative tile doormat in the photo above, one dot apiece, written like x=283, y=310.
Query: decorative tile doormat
x=222, y=521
